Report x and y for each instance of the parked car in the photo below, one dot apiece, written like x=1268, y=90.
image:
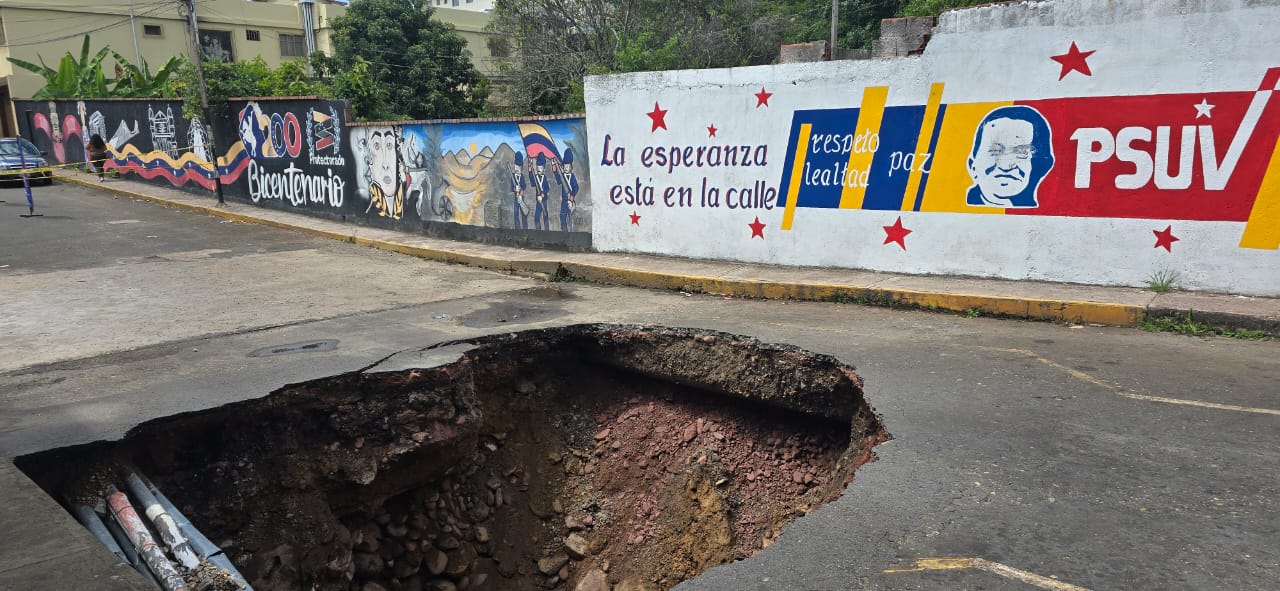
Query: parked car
x=11, y=162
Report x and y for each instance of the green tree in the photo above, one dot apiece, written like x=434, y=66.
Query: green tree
x=810, y=20
x=353, y=84
x=225, y=80
x=138, y=81
x=418, y=65
x=936, y=7
x=547, y=46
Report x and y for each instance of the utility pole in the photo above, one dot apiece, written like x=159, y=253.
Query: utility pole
x=198, y=58
x=835, y=19
x=137, y=53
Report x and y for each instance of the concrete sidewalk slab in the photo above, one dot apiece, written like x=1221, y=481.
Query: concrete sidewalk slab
x=1033, y=300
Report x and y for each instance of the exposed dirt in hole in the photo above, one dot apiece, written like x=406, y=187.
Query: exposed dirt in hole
x=588, y=458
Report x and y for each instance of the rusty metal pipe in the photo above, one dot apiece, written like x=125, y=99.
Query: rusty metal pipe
x=123, y=540
x=142, y=541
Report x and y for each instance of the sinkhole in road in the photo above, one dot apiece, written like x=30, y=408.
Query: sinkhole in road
x=583, y=457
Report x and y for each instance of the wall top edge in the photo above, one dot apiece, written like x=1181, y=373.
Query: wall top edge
x=101, y=100
x=531, y=119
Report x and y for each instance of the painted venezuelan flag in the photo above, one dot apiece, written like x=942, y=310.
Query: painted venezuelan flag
x=538, y=141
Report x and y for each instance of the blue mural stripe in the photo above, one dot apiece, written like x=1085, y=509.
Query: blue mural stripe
x=933, y=147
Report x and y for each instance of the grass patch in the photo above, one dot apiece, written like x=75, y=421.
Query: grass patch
x=561, y=275
x=844, y=298
x=1163, y=280
x=1188, y=325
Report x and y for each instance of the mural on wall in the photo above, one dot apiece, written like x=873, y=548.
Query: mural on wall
x=1094, y=158
x=266, y=163
x=509, y=175
x=170, y=149
x=1174, y=157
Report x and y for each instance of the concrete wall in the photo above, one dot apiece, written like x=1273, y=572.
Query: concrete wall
x=149, y=138
x=511, y=181
x=507, y=181
x=1090, y=141
x=900, y=37
x=454, y=179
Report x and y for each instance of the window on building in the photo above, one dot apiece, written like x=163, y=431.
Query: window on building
x=252, y=35
x=292, y=45
x=152, y=31
x=216, y=45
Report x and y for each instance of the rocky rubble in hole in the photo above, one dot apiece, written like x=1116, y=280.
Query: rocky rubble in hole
x=578, y=458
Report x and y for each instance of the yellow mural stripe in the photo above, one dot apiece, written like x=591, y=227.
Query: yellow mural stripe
x=870, y=116
x=797, y=171
x=1008, y=572
x=922, y=145
x=188, y=158
x=1263, y=228
x=949, y=178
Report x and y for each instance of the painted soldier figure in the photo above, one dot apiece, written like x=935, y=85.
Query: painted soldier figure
x=541, y=188
x=568, y=191
x=517, y=190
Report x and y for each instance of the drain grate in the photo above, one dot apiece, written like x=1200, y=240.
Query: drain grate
x=303, y=347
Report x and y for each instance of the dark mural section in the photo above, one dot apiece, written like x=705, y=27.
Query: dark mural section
x=288, y=154
x=504, y=181
x=148, y=139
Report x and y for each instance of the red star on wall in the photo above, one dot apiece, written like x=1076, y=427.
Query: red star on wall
x=659, y=117
x=757, y=228
x=762, y=98
x=711, y=130
x=635, y=219
x=1165, y=238
x=1073, y=61
x=896, y=233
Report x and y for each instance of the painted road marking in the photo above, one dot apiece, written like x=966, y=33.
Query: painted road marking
x=1008, y=572
x=1122, y=392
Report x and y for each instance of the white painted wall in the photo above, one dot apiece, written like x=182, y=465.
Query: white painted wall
x=990, y=53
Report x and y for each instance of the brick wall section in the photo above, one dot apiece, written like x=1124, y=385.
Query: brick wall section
x=901, y=37
x=804, y=52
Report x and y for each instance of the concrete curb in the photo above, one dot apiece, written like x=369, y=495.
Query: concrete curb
x=1109, y=314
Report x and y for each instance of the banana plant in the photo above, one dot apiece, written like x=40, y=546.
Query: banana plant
x=139, y=82
x=73, y=78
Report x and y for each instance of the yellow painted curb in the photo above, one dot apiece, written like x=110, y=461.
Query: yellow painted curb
x=1017, y=307
x=1006, y=306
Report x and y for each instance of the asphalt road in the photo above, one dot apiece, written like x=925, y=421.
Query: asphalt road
x=1084, y=456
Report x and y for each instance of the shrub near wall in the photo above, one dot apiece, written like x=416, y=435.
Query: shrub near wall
x=149, y=139
x=1070, y=140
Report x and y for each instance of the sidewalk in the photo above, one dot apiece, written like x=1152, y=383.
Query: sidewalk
x=1034, y=300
